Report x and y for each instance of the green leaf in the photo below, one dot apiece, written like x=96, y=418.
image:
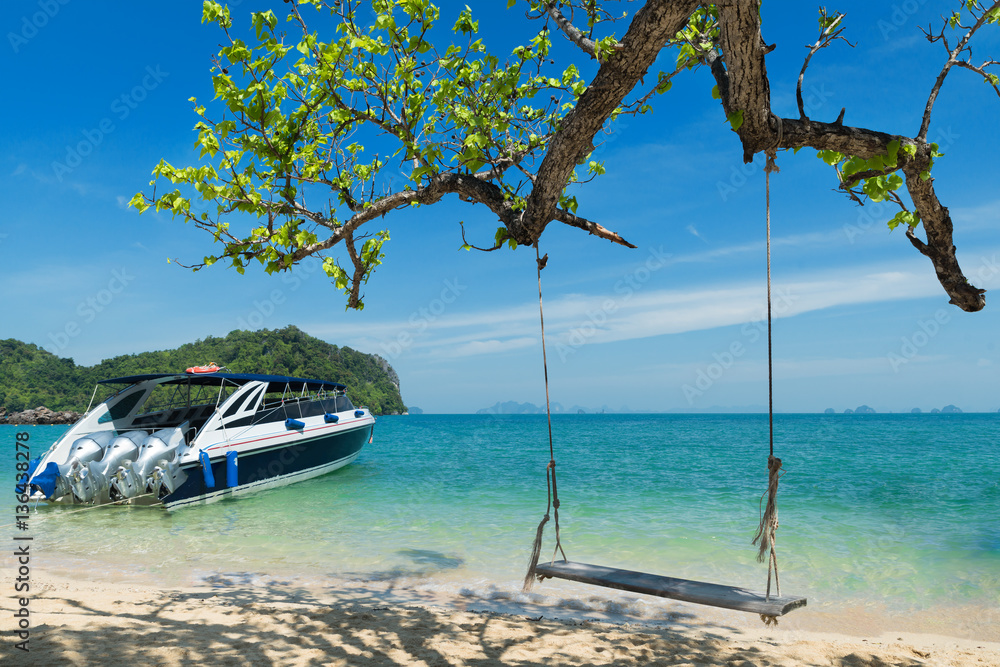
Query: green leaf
x=909, y=218
x=893, y=153
x=853, y=166
x=830, y=157
x=716, y=95
x=736, y=120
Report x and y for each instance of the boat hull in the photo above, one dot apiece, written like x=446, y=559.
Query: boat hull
x=266, y=468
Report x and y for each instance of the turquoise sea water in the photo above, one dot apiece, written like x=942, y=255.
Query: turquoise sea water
x=900, y=512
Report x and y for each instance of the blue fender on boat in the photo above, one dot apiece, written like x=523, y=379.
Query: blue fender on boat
x=232, y=479
x=330, y=419
x=46, y=480
x=359, y=413
x=22, y=485
x=206, y=468
x=293, y=424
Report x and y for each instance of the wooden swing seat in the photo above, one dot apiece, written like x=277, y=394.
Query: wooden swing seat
x=698, y=592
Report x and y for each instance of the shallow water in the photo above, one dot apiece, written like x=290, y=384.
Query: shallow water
x=894, y=513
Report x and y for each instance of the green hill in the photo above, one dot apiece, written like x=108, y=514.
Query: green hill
x=31, y=376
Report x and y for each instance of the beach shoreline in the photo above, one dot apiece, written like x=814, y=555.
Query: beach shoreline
x=233, y=621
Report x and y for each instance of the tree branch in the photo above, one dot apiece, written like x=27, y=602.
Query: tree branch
x=743, y=82
x=574, y=220
x=652, y=26
x=749, y=88
x=953, y=59
x=827, y=35
x=574, y=34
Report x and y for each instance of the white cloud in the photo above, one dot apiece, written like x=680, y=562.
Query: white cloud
x=493, y=346
x=694, y=232
x=23, y=169
x=579, y=319
x=984, y=216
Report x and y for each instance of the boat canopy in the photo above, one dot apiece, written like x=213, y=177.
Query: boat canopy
x=275, y=382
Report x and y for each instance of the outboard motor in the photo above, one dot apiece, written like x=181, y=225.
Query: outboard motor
x=94, y=481
x=165, y=479
x=124, y=482
x=83, y=451
x=58, y=479
x=87, y=483
x=90, y=447
x=133, y=478
x=161, y=445
x=124, y=447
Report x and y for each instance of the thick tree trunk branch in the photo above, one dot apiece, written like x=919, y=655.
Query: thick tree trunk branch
x=743, y=84
x=934, y=217
x=748, y=88
x=651, y=27
x=938, y=227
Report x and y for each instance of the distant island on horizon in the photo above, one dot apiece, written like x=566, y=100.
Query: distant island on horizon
x=515, y=408
x=527, y=408
x=865, y=410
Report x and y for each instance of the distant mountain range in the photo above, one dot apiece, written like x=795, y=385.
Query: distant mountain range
x=865, y=410
x=515, y=408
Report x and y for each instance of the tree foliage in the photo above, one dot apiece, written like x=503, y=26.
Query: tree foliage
x=306, y=120
x=31, y=376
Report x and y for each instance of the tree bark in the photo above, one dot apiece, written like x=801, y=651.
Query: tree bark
x=744, y=86
x=652, y=26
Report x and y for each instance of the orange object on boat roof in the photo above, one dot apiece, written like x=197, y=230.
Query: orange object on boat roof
x=209, y=368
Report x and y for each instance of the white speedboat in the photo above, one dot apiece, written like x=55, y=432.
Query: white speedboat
x=196, y=437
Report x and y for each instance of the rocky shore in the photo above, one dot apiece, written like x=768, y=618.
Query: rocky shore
x=40, y=415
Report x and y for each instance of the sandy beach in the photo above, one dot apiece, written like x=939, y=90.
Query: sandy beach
x=94, y=622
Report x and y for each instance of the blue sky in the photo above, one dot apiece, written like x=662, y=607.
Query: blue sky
x=95, y=97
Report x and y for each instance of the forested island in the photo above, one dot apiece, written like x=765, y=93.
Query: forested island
x=31, y=376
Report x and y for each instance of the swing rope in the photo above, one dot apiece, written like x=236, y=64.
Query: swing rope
x=765, y=535
x=550, y=470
